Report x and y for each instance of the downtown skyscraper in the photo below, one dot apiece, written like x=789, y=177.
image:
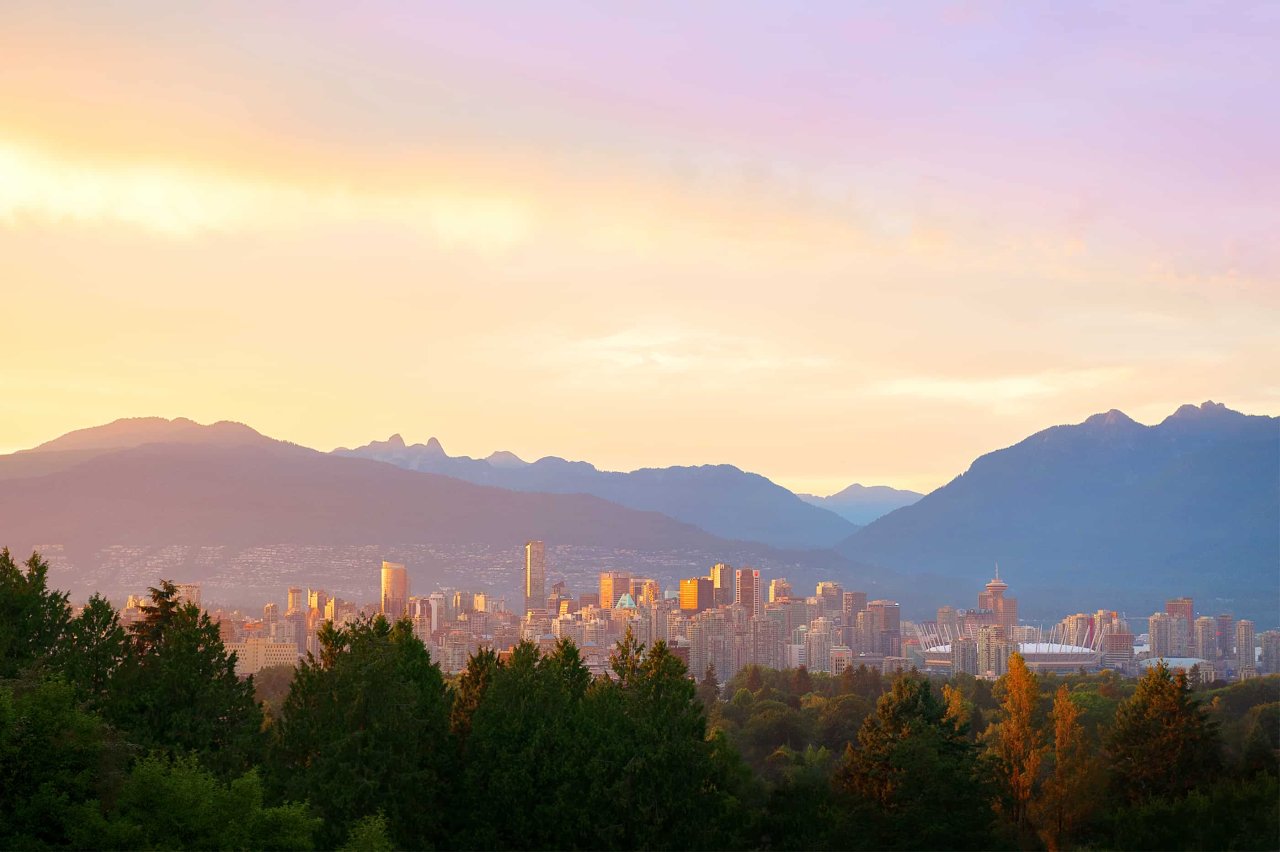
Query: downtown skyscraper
x=535, y=577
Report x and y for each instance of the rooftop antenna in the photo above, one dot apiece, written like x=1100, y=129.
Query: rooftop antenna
x=997, y=570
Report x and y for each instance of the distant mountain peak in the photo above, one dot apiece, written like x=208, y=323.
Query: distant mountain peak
x=135, y=431
x=396, y=440
x=1207, y=410
x=505, y=459
x=1114, y=417
x=435, y=447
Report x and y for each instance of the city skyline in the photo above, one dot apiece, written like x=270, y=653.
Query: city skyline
x=906, y=236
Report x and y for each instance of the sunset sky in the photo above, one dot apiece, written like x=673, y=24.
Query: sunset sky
x=827, y=242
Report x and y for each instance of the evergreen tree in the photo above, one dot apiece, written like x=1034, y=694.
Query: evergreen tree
x=176, y=688
x=920, y=774
x=365, y=728
x=1162, y=743
x=33, y=619
x=96, y=648
x=470, y=690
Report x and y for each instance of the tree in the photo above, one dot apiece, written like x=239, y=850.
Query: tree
x=470, y=690
x=33, y=619
x=1017, y=744
x=180, y=805
x=1163, y=743
x=709, y=689
x=1070, y=793
x=365, y=728
x=54, y=758
x=176, y=688
x=919, y=773
x=97, y=648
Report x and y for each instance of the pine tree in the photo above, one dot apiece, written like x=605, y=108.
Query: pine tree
x=1163, y=743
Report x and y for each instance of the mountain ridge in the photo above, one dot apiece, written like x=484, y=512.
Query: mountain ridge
x=1108, y=502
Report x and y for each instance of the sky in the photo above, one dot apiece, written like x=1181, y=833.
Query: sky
x=826, y=242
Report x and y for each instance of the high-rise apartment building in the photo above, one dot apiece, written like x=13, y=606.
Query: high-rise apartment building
x=747, y=591
x=395, y=591
x=1245, y=646
x=964, y=656
x=613, y=585
x=1270, y=662
x=889, y=623
x=316, y=600
x=297, y=603
x=948, y=623
x=852, y=604
x=535, y=577
x=1204, y=638
x=1226, y=636
x=993, y=651
x=779, y=590
x=188, y=593
x=1160, y=629
x=1182, y=611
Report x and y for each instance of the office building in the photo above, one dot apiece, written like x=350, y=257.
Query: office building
x=613, y=585
x=297, y=602
x=696, y=594
x=722, y=581
x=535, y=576
x=395, y=591
x=779, y=590
x=747, y=592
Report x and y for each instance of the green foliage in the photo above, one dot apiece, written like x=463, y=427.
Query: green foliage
x=33, y=619
x=366, y=729
x=920, y=772
x=54, y=761
x=1163, y=743
x=146, y=739
x=178, y=804
x=369, y=834
x=98, y=647
x=177, y=690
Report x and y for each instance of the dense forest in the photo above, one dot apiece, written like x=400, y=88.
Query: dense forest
x=144, y=738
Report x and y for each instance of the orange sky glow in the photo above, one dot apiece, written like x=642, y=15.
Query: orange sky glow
x=703, y=236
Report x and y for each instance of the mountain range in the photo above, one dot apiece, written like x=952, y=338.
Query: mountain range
x=153, y=481
x=720, y=499
x=862, y=504
x=1105, y=512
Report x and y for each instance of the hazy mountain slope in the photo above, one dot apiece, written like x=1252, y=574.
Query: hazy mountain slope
x=243, y=495
x=862, y=504
x=83, y=444
x=1108, y=512
x=720, y=499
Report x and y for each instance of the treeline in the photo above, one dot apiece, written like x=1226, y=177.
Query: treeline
x=145, y=739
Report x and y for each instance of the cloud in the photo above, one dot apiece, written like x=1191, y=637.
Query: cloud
x=185, y=202
x=669, y=352
x=997, y=389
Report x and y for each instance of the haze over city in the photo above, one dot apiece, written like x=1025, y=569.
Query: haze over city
x=827, y=243
x=564, y=425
